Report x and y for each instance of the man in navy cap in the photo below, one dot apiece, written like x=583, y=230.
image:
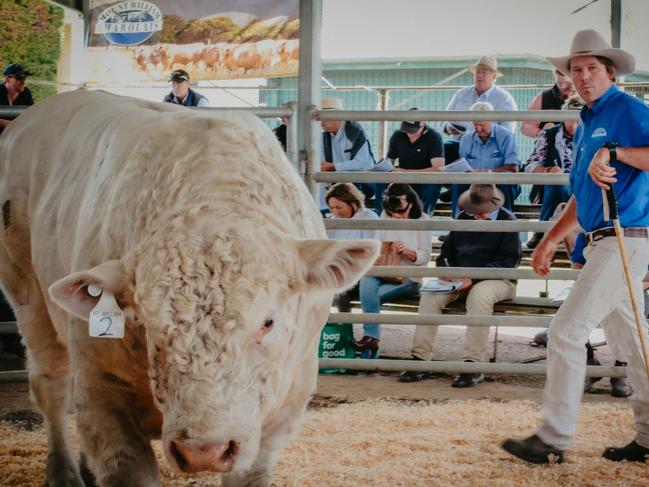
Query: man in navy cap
x=13, y=90
x=181, y=93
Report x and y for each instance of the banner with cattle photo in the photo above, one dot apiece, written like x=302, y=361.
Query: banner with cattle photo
x=134, y=41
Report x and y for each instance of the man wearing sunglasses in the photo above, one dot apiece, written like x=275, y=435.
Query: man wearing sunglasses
x=181, y=93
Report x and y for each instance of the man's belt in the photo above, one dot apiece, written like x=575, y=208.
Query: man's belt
x=594, y=236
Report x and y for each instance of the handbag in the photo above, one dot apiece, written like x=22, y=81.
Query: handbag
x=389, y=257
x=336, y=342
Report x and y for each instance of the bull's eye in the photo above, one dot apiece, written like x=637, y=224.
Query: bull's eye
x=265, y=329
x=268, y=324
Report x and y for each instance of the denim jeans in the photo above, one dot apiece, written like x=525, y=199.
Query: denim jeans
x=374, y=291
x=428, y=193
x=552, y=196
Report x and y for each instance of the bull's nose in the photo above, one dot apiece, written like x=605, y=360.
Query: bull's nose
x=198, y=455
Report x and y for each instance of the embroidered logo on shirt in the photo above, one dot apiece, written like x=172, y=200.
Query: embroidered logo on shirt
x=598, y=132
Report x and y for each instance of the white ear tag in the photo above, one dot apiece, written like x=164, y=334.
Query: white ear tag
x=106, y=319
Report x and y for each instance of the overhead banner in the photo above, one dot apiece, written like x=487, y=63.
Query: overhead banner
x=138, y=41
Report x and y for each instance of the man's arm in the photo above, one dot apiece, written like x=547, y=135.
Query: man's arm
x=508, y=104
x=603, y=174
x=531, y=127
x=512, y=161
x=362, y=162
x=544, y=252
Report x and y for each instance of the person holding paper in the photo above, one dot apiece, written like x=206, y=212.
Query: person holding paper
x=464, y=249
x=419, y=148
x=400, y=202
x=485, y=72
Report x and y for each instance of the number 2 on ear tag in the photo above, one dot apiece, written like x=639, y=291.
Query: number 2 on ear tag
x=106, y=319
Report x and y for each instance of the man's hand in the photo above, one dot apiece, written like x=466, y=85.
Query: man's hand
x=327, y=166
x=398, y=169
x=600, y=171
x=451, y=130
x=543, y=255
x=554, y=170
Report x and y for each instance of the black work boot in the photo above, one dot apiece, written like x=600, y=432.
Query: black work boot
x=620, y=386
x=412, y=375
x=591, y=360
x=631, y=452
x=533, y=450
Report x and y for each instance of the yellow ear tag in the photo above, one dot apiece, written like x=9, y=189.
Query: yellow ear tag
x=106, y=318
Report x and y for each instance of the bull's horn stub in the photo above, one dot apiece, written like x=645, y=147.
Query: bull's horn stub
x=106, y=318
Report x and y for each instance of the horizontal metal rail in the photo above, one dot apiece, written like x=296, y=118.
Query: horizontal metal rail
x=11, y=376
x=519, y=321
x=472, y=272
x=261, y=112
x=8, y=328
x=441, y=177
x=448, y=116
x=438, y=225
x=380, y=365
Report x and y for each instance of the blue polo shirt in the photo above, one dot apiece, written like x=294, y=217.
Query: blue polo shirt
x=498, y=150
x=624, y=119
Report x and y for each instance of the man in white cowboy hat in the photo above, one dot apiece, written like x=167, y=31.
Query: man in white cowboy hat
x=611, y=148
x=485, y=71
x=463, y=249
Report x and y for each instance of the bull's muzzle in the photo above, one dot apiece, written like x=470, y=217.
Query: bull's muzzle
x=199, y=455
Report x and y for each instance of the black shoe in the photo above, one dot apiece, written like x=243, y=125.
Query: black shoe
x=467, y=380
x=620, y=386
x=411, y=376
x=540, y=339
x=534, y=241
x=445, y=196
x=533, y=450
x=631, y=452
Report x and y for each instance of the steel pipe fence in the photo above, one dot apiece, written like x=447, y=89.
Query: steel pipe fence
x=439, y=225
x=442, y=177
x=448, y=116
x=472, y=272
x=8, y=328
x=518, y=321
x=381, y=365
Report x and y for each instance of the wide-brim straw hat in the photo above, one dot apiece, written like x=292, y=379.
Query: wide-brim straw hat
x=481, y=198
x=485, y=62
x=590, y=43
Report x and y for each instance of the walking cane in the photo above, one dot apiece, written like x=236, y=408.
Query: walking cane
x=619, y=235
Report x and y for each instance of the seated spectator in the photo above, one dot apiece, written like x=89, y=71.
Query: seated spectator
x=464, y=249
x=550, y=99
x=489, y=148
x=620, y=386
x=345, y=147
x=346, y=201
x=413, y=248
x=418, y=148
x=553, y=154
x=181, y=93
x=485, y=72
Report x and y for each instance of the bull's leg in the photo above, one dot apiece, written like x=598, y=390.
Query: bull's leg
x=115, y=448
x=50, y=383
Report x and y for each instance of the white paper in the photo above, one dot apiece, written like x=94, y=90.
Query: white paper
x=106, y=319
x=384, y=165
x=562, y=295
x=436, y=285
x=461, y=165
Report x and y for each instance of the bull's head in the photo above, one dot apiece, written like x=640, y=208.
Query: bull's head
x=232, y=323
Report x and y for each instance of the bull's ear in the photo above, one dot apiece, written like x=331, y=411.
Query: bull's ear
x=71, y=292
x=335, y=265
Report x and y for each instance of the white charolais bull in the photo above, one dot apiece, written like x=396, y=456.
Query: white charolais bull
x=213, y=249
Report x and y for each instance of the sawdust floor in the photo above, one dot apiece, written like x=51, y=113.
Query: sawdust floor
x=374, y=429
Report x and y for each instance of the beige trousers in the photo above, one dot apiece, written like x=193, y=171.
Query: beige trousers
x=480, y=301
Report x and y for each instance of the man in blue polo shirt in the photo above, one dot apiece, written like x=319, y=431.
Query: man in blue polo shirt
x=614, y=125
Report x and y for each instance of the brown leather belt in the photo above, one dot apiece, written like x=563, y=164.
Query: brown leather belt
x=594, y=236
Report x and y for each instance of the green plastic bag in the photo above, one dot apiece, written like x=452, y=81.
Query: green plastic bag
x=336, y=342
